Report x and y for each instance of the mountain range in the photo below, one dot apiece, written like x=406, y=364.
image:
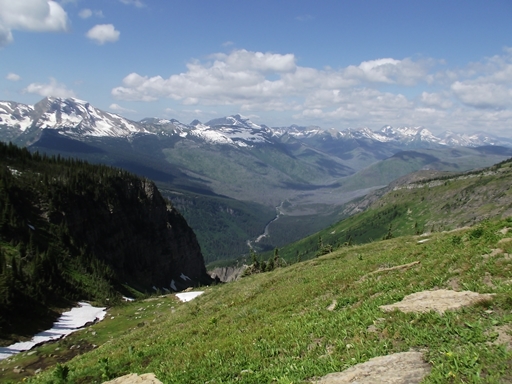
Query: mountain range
x=74, y=117
x=232, y=173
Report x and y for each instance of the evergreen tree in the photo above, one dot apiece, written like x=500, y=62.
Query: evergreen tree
x=270, y=265
x=254, y=259
x=276, y=258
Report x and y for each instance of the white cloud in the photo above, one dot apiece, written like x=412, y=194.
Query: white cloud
x=87, y=13
x=486, y=84
x=372, y=93
x=5, y=35
x=137, y=3
x=391, y=71
x=119, y=109
x=436, y=100
x=248, y=78
x=13, y=77
x=103, y=33
x=30, y=15
x=485, y=95
x=53, y=88
x=355, y=105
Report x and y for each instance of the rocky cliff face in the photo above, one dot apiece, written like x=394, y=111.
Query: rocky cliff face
x=136, y=232
x=228, y=274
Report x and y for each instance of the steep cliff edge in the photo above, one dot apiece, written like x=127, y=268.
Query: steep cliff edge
x=135, y=231
x=73, y=231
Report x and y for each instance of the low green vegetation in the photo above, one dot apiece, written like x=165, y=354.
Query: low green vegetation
x=309, y=319
x=433, y=204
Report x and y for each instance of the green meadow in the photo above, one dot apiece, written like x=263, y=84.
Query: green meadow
x=303, y=321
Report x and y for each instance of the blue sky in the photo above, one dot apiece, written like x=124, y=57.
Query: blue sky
x=444, y=65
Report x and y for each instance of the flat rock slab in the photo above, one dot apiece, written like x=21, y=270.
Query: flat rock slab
x=133, y=378
x=439, y=300
x=399, y=368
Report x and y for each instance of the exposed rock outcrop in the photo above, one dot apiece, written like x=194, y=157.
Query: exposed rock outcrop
x=228, y=274
x=136, y=231
x=439, y=300
x=399, y=368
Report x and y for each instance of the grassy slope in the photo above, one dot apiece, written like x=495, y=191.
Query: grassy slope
x=275, y=327
x=403, y=163
x=432, y=205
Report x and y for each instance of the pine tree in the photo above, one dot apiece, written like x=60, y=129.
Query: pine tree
x=254, y=260
x=276, y=257
x=389, y=235
x=270, y=265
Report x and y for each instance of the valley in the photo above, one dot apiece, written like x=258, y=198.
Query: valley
x=231, y=172
x=338, y=243
x=255, y=192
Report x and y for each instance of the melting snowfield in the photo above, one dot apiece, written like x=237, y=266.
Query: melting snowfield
x=68, y=323
x=187, y=296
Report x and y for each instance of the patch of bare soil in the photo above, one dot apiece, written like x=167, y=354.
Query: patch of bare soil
x=440, y=300
x=133, y=378
x=399, y=368
x=504, y=336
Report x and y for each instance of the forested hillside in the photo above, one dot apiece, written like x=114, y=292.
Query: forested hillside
x=422, y=202
x=70, y=230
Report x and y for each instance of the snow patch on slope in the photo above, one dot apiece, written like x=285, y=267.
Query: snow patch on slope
x=68, y=323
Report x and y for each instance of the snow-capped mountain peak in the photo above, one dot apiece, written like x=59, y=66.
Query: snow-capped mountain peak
x=15, y=115
x=78, y=118
x=74, y=116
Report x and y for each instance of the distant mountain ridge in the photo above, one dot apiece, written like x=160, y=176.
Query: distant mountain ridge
x=76, y=117
x=230, y=172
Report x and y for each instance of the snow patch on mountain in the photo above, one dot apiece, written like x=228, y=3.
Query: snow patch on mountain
x=16, y=115
x=78, y=118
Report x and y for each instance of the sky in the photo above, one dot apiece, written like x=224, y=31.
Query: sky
x=445, y=65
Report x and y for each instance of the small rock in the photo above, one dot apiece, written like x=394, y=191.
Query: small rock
x=31, y=353
x=133, y=378
x=245, y=371
x=38, y=371
x=18, y=370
